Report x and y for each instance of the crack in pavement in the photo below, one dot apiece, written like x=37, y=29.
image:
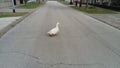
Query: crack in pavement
x=67, y=64
x=18, y=52
x=48, y=64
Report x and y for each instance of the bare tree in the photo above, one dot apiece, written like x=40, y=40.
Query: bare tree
x=116, y=2
x=87, y=1
x=25, y=1
x=71, y=2
x=21, y=1
x=38, y=1
x=109, y=3
x=76, y=2
x=14, y=2
x=80, y=3
x=101, y=2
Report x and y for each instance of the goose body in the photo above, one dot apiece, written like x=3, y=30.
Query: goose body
x=54, y=31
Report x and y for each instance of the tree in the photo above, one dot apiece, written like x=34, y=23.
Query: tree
x=71, y=2
x=94, y=1
x=80, y=3
x=76, y=2
x=87, y=3
x=21, y=1
x=25, y=1
x=14, y=2
x=38, y=1
x=101, y=2
x=109, y=3
x=116, y=2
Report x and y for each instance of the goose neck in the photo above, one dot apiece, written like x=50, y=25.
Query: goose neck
x=57, y=25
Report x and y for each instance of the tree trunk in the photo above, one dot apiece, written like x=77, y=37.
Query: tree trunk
x=14, y=2
x=109, y=3
x=21, y=1
x=94, y=2
x=71, y=2
x=76, y=2
x=101, y=2
x=80, y=3
x=86, y=3
x=39, y=1
x=25, y=2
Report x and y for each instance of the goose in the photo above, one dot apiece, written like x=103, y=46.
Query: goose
x=55, y=30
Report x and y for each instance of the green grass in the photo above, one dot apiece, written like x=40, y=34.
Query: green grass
x=30, y=5
x=10, y=14
x=63, y=2
x=93, y=10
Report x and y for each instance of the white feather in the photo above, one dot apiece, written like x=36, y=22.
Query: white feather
x=55, y=30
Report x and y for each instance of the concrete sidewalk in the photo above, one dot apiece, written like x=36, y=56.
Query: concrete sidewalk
x=17, y=10
x=5, y=4
x=8, y=22
x=7, y=7
x=111, y=19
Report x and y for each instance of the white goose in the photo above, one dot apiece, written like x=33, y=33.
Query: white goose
x=54, y=31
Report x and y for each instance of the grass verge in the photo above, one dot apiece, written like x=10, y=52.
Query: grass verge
x=93, y=10
x=10, y=14
x=30, y=5
x=63, y=2
x=90, y=10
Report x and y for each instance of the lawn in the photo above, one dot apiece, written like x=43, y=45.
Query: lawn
x=93, y=10
x=30, y=5
x=10, y=14
x=63, y=2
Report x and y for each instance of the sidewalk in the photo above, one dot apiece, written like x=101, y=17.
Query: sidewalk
x=17, y=10
x=8, y=22
x=111, y=19
x=5, y=5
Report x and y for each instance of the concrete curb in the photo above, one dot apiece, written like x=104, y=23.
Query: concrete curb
x=10, y=26
x=113, y=25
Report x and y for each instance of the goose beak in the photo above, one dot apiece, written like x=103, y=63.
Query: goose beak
x=58, y=23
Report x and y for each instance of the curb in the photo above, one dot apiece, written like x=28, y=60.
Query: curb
x=112, y=25
x=10, y=26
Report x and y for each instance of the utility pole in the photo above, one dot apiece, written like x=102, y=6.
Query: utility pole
x=13, y=6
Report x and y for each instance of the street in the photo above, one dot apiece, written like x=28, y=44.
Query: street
x=83, y=42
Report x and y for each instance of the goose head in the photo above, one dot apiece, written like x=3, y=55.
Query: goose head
x=57, y=23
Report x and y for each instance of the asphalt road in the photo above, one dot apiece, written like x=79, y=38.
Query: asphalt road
x=83, y=42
